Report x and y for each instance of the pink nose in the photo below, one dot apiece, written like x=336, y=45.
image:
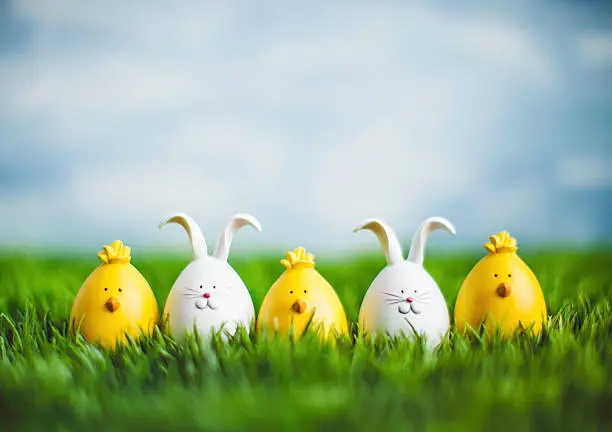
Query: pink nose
x=409, y=300
x=206, y=295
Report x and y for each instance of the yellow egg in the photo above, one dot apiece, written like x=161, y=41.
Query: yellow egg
x=115, y=300
x=501, y=291
x=301, y=298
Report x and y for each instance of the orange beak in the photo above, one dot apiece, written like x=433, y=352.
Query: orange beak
x=299, y=306
x=112, y=304
x=503, y=290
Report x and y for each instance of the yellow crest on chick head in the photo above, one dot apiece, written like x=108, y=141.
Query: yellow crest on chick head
x=117, y=252
x=298, y=259
x=501, y=242
x=301, y=299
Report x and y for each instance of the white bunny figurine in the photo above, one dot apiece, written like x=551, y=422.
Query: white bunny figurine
x=404, y=298
x=208, y=294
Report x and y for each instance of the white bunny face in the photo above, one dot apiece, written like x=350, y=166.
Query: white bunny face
x=409, y=300
x=404, y=299
x=208, y=295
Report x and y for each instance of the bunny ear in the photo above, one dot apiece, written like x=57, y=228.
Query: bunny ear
x=235, y=223
x=388, y=240
x=417, y=246
x=198, y=244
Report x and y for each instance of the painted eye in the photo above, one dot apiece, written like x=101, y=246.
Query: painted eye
x=105, y=289
x=201, y=286
x=509, y=275
x=305, y=291
x=291, y=292
x=495, y=275
x=402, y=291
x=120, y=290
x=214, y=286
x=415, y=291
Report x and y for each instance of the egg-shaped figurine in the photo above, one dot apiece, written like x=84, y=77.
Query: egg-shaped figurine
x=404, y=299
x=500, y=292
x=300, y=299
x=209, y=296
x=115, y=300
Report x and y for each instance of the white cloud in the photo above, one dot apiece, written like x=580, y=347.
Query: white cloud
x=107, y=87
x=360, y=46
x=596, y=48
x=175, y=27
x=585, y=171
x=393, y=166
x=509, y=47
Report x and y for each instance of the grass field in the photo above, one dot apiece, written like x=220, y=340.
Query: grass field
x=52, y=380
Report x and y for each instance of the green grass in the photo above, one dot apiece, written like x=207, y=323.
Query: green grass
x=52, y=380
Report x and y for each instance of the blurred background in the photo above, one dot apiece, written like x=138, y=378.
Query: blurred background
x=312, y=118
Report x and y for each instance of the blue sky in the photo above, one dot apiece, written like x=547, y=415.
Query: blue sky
x=312, y=118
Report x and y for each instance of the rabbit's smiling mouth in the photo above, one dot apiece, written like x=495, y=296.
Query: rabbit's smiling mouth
x=206, y=302
x=408, y=304
x=203, y=300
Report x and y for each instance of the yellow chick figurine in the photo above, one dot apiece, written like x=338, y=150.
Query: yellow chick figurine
x=301, y=298
x=114, y=300
x=501, y=291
